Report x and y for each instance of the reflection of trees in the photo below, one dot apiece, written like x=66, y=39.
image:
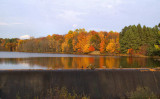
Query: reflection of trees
x=138, y=62
x=112, y=62
x=101, y=62
x=10, y=60
x=78, y=62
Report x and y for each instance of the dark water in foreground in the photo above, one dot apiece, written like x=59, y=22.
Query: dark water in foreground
x=20, y=60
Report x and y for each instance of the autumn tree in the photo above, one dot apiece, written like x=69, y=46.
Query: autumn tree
x=11, y=44
x=95, y=40
x=103, y=44
x=91, y=48
x=86, y=48
x=82, y=38
x=111, y=47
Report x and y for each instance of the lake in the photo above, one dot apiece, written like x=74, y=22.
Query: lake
x=21, y=60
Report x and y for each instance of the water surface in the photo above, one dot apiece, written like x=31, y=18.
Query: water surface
x=20, y=60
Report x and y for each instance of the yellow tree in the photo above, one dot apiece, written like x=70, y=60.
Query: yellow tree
x=68, y=41
x=64, y=47
x=86, y=48
x=111, y=47
x=51, y=42
x=81, y=41
x=75, y=41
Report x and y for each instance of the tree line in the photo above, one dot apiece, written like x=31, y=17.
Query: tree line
x=140, y=40
x=131, y=40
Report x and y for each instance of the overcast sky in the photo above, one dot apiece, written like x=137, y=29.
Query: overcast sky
x=24, y=18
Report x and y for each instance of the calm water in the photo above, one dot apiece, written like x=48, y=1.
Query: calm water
x=20, y=60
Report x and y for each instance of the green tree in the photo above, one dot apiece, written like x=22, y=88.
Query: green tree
x=138, y=38
x=157, y=46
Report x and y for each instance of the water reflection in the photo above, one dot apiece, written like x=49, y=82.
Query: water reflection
x=76, y=62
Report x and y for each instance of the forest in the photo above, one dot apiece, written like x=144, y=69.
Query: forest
x=132, y=40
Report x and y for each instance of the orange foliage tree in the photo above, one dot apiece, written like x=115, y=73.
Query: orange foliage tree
x=102, y=46
x=75, y=41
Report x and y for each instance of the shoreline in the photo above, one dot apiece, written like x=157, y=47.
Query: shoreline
x=79, y=69
x=157, y=58
x=136, y=55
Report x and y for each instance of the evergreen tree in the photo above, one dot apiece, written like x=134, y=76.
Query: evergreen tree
x=136, y=37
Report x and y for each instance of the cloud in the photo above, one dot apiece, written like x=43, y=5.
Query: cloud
x=111, y=4
x=3, y=23
x=72, y=16
x=24, y=37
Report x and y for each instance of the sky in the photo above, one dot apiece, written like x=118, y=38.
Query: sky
x=39, y=18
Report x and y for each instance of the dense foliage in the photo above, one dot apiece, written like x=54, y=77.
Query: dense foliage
x=8, y=44
x=139, y=40
x=78, y=41
x=131, y=40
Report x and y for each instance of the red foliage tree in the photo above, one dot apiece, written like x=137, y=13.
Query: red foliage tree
x=91, y=48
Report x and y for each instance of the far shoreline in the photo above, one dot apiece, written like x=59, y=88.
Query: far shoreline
x=85, y=69
x=90, y=54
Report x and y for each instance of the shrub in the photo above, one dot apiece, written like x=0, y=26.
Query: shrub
x=142, y=93
x=62, y=93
